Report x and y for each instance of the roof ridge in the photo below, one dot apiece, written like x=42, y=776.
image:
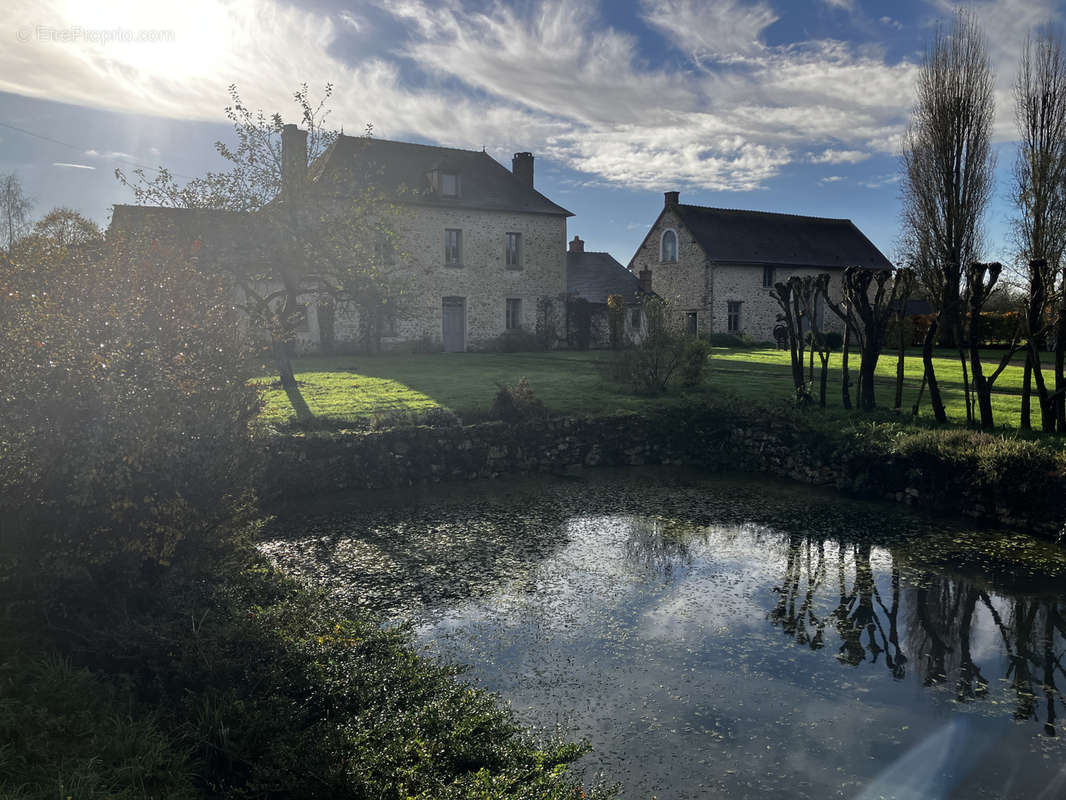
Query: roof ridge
x=413, y=144
x=764, y=213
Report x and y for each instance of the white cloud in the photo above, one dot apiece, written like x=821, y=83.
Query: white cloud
x=725, y=29
x=71, y=166
x=891, y=23
x=112, y=154
x=878, y=181
x=839, y=157
x=548, y=75
x=831, y=179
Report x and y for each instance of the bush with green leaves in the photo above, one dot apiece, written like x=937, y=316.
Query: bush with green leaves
x=517, y=403
x=648, y=365
x=694, y=362
x=124, y=416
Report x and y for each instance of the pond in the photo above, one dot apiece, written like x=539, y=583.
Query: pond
x=718, y=635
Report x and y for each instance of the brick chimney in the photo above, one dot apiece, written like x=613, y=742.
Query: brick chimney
x=293, y=159
x=671, y=199
x=577, y=246
x=644, y=276
x=522, y=167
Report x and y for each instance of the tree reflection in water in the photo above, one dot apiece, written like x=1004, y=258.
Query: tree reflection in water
x=938, y=625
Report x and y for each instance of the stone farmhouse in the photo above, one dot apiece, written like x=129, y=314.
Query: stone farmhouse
x=475, y=251
x=716, y=267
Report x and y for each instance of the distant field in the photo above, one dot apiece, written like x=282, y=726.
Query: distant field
x=349, y=390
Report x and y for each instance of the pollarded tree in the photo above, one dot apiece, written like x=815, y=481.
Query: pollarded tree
x=870, y=299
x=947, y=168
x=1040, y=192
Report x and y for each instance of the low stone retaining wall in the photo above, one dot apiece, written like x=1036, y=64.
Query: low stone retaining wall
x=700, y=437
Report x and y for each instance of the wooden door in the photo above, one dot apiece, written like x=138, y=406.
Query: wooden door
x=454, y=309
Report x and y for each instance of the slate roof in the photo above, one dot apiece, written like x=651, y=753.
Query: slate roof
x=235, y=236
x=763, y=238
x=400, y=169
x=594, y=276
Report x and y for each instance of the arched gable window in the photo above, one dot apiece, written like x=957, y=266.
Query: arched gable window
x=668, y=247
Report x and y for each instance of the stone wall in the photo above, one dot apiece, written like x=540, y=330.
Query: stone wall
x=685, y=285
x=482, y=279
x=700, y=437
x=758, y=313
x=696, y=284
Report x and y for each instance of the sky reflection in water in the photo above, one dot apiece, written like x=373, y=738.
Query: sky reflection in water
x=714, y=636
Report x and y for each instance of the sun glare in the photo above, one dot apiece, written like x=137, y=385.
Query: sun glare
x=169, y=41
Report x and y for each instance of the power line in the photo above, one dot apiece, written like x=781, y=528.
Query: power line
x=81, y=150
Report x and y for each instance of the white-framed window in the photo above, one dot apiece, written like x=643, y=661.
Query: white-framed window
x=768, y=277
x=513, y=257
x=634, y=319
x=733, y=315
x=449, y=184
x=514, y=314
x=668, y=247
x=453, y=247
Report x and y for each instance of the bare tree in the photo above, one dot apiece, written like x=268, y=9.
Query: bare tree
x=15, y=208
x=321, y=246
x=947, y=165
x=1040, y=192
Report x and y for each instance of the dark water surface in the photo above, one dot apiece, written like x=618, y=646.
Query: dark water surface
x=724, y=636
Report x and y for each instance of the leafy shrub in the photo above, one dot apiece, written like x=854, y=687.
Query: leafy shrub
x=694, y=362
x=734, y=340
x=648, y=366
x=517, y=403
x=834, y=340
x=125, y=416
x=518, y=341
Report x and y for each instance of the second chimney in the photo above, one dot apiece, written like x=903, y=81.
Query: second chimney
x=577, y=245
x=672, y=199
x=293, y=159
x=522, y=167
x=644, y=276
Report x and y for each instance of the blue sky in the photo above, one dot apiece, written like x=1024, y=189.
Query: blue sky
x=780, y=105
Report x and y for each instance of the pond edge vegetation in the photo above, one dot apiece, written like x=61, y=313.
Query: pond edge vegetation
x=996, y=479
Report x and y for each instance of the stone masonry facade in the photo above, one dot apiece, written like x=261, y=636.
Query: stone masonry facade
x=716, y=280
x=694, y=283
x=482, y=278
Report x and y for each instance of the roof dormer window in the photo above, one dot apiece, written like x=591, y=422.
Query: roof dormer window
x=449, y=184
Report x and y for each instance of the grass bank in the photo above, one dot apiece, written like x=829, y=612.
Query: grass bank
x=350, y=391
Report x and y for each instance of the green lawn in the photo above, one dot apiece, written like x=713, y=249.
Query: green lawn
x=348, y=390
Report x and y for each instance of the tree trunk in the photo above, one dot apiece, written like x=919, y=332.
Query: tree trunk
x=930, y=375
x=980, y=385
x=1047, y=403
x=1026, y=423
x=823, y=383
x=1060, y=361
x=845, y=373
x=870, y=354
x=898, y=404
